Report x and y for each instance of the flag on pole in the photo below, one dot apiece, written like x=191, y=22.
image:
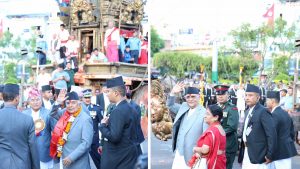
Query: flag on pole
x=270, y=16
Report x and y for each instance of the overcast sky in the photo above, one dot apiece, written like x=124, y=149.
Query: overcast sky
x=217, y=15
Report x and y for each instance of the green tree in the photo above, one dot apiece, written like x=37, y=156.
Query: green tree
x=6, y=39
x=177, y=63
x=229, y=67
x=156, y=42
x=248, y=39
x=245, y=39
x=10, y=73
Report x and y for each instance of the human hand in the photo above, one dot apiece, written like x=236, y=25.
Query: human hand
x=267, y=160
x=62, y=96
x=67, y=161
x=105, y=120
x=100, y=149
x=177, y=88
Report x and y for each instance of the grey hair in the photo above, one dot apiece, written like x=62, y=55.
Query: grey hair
x=120, y=89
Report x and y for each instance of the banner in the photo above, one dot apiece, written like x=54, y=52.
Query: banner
x=129, y=33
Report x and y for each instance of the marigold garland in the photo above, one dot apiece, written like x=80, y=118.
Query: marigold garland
x=62, y=140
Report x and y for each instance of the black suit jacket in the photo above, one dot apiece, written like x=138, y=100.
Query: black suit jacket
x=261, y=141
x=100, y=100
x=120, y=149
x=285, y=134
x=140, y=135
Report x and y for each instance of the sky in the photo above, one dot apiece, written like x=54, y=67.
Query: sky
x=209, y=16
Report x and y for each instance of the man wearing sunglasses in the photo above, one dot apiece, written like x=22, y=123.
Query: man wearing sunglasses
x=188, y=124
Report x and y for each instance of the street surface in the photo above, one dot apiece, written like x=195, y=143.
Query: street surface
x=162, y=156
x=144, y=149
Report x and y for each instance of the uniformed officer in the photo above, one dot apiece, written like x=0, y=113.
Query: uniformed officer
x=229, y=123
x=96, y=112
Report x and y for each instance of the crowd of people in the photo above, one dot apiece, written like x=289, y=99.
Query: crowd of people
x=65, y=48
x=70, y=129
x=248, y=119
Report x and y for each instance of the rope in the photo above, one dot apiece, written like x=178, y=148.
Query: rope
x=142, y=83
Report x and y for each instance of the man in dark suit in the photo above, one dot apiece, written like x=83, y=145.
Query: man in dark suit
x=96, y=113
x=262, y=95
x=259, y=134
x=119, y=130
x=137, y=108
x=232, y=93
x=207, y=92
x=285, y=148
x=47, y=101
x=102, y=100
x=18, y=147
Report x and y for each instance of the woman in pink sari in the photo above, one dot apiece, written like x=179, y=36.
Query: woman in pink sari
x=212, y=143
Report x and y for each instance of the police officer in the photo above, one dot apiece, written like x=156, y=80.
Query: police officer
x=229, y=123
x=96, y=113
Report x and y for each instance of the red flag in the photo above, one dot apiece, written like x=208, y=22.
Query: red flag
x=270, y=16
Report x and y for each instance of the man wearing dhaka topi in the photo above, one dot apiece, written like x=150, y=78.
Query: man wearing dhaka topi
x=44, y=124
x=73, y=134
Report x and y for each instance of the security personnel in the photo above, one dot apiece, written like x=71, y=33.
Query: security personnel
x=229, y=123
x=96, y=112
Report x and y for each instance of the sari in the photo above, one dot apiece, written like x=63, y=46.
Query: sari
x=216, y=157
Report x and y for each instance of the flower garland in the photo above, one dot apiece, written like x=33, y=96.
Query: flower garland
x=64, y=138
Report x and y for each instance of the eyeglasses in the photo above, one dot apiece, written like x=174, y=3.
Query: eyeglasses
x=190, y=97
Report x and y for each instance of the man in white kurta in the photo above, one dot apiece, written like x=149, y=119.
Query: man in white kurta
x=63, y=35
x=112, y=42
x=252, y=100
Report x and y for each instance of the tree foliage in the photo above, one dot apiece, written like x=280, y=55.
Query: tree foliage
x=229, y=67
x=10, y=73
x=156, y=42
x=6, y=39
x=264, y=37
x=177, y=63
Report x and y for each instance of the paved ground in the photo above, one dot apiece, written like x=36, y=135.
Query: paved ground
x=162, y=156
x=144, y=149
